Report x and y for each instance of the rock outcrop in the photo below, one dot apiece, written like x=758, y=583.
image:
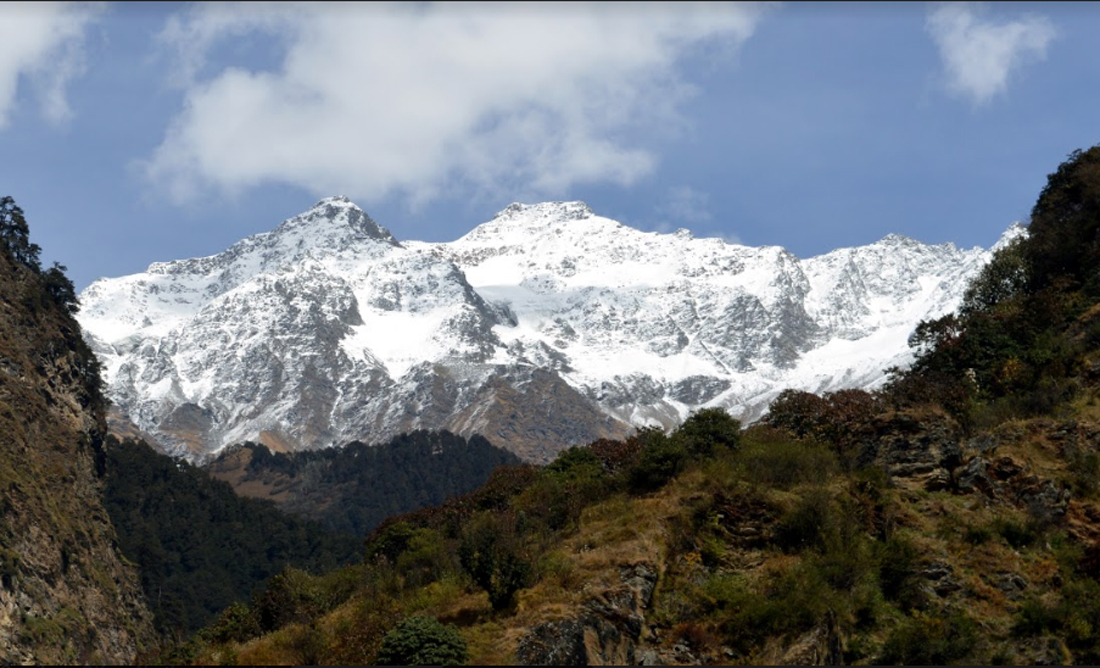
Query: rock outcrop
x=606, y=633
x=66, y=595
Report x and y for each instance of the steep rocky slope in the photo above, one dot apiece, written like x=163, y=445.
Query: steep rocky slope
x=66, y=595
x=545, y=327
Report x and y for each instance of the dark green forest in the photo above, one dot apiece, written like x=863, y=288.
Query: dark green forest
x=200, y=547
x=1023, y=342
x=354, y=488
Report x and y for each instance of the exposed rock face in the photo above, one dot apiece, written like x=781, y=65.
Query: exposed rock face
x=327, y=330
x=605, y=634
x=923, y=448
x=927, y=450
x=65, y=594
x=820, y=646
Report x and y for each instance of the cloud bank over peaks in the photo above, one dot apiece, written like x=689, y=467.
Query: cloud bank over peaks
x=41, y=43
x=418, y=99
x=980, y=55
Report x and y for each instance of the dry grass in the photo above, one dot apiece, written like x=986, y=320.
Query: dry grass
x=274, y=649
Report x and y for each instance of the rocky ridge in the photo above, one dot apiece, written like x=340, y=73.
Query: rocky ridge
x=66, y=594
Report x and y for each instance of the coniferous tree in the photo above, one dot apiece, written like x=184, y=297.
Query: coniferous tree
x=15, y=234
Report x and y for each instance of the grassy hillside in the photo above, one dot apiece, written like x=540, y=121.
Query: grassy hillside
x=945, y=549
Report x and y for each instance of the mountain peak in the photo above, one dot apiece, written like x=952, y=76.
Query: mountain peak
x=575, y=210
x=517, y=222
x=343, y=212
x=1014, y=232
x=894, y=239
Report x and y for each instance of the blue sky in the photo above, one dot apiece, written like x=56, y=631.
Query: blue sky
x=133, y=133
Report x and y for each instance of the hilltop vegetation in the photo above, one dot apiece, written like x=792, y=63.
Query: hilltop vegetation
x=766, y=547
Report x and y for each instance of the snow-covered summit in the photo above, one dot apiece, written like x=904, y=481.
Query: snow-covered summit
x=1015, y=231
x=546, y=322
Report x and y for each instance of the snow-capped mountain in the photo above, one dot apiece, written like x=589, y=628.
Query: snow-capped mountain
x=544, y=327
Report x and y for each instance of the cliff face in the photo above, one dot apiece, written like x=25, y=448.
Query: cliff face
x=66, y=596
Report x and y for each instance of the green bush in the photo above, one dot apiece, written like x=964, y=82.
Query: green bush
x=978, y=535
x=576, y=479
x=771, y=457
x=237, y=623
x=576, y=462
x=1034, y=618
x=291, y=596
x=806, y=526
x=1084, y=472
x=791, y=601
x=422, y=641
x=425, y=559
x=725, y=591
x=490, y=554
x=925, y=640
x=898, y=572
x=661, y=460
x=1016, y=534
x=390, y=540
x=1074, y=618
x=708, y=429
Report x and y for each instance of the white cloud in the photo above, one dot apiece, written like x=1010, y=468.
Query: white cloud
x=685, y=204
x=980, y=55
x=418, y=99
x=42, y=43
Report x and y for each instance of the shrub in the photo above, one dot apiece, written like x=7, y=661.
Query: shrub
x=924, y=640
x=798, y=411
x=290, y=596
x=1074, y=618
x=708, y=429
x=978, y=535
x=899, y=562
x=425, y=559
x=793, y=600
x=571, y=482
x=1084, y=470
x=661, y=460
x=1016, y=534
x=1034, y=618
x=390, y=540
x=616, y=457
x=576, y=462
x=837, y=418
x=237, y=623
x=422, y=641
x=771, y=457
x=807, y=524
x=489, y=553
x=556, y=500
